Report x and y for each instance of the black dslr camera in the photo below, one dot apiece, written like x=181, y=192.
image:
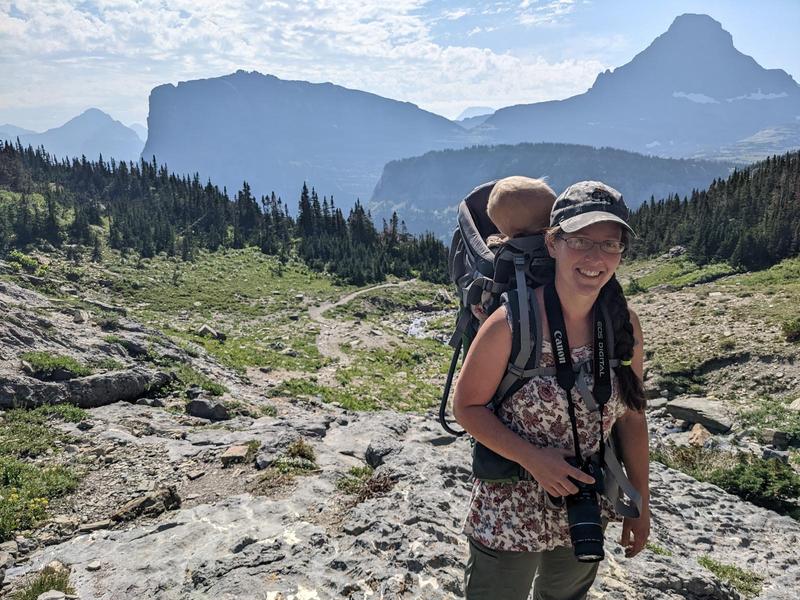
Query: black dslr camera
x=583, y=513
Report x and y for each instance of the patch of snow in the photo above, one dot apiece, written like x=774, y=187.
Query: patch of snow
x=759, y=95
x=652, y=144
x=695, y=97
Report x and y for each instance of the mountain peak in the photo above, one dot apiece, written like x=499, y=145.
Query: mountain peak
x=90, y=117
x=690, y=28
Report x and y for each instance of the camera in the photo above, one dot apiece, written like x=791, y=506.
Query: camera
x=583, y=513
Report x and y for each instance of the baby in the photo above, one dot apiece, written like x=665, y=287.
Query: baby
x=518, y=206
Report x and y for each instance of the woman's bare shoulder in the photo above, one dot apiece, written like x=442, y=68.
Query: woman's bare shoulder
x=637, y=325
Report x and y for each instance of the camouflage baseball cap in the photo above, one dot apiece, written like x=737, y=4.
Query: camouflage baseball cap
x=588, y=202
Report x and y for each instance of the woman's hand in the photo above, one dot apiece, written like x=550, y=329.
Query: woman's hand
x=549, y=467
x=635, y=533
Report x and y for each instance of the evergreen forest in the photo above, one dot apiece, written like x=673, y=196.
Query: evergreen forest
x=142, y=207
x=750, y=219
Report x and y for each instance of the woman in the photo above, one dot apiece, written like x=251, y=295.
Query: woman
x=515, y=532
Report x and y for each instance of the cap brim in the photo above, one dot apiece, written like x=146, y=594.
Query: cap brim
x=577, y=222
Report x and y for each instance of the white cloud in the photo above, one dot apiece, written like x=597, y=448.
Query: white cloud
x=533, y=13
x=111, y=53
x=455, y=15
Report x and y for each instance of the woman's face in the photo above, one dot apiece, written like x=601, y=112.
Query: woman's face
x=585, y=272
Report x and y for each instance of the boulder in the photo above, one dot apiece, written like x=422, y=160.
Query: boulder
x=710, y=413
x=656, y=403
x=6, y=561
x=780, y=440
x=120, y=310
x=795, y=405
x=84, y=392
x=95, y=526
x=699, y=435
x=208, y=409
x=378, y=450
x=151, y=504
x=234, y=454
x=207, y=331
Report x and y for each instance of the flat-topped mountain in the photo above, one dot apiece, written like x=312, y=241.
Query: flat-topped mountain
x=690, y=91
x=276, y=134
x=90, y=134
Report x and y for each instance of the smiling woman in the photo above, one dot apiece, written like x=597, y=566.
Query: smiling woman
x=549, y=525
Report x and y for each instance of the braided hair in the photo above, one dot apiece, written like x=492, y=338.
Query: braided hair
x=630, y=386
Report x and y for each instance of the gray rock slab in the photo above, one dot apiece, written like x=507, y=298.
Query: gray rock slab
x=212, y=410
x=656, y=403
x=711, y=414
x=85, y=392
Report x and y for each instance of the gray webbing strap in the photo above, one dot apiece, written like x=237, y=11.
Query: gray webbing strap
x=527, y=306
x=616, y=481
x=583, y=389
x=461, y=327
x=524, y=314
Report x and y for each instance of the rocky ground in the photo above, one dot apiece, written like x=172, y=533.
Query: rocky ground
x=274, y=501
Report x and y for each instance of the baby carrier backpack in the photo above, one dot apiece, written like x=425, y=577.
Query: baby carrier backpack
x=482, y=275
x=486, y=278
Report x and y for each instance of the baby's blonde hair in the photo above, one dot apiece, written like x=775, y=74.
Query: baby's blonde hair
x=520, y=205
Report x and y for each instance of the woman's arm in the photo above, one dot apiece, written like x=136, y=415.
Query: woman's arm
x=632, y=430
x=483, y=369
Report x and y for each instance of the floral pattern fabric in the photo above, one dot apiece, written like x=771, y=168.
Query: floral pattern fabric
x=518, y=516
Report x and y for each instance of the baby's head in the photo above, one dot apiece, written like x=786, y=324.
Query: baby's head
x=520, y=206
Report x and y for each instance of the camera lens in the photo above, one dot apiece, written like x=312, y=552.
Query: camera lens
x=585, y=530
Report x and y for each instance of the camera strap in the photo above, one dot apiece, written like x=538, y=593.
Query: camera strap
x=565, y=375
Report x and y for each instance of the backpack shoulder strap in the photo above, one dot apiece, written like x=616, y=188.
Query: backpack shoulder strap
x=526, y=345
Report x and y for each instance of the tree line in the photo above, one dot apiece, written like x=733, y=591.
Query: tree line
x=143, y=208
x=750, y=219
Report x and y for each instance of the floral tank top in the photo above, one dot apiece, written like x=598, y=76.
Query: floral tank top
x=518, y=517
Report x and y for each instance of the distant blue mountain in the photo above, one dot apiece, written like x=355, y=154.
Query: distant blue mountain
x=277, y=134
x=140, y=130
x=425, y=190
x=474, y=111
x=689, y=92
x=90, y=134
x=9, y=131
x=473, y=121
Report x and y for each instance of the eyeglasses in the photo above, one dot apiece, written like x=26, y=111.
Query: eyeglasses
x=585, y=244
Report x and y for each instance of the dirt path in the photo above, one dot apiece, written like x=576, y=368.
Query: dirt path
x=334, y=333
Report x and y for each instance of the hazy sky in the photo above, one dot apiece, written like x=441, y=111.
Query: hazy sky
x=59, y=57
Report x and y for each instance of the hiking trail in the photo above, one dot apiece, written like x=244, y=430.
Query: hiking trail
x=334, y=333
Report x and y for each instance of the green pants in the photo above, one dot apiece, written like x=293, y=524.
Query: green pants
x=502, y=575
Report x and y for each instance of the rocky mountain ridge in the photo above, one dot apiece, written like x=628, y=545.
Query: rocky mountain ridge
x=693, y=90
